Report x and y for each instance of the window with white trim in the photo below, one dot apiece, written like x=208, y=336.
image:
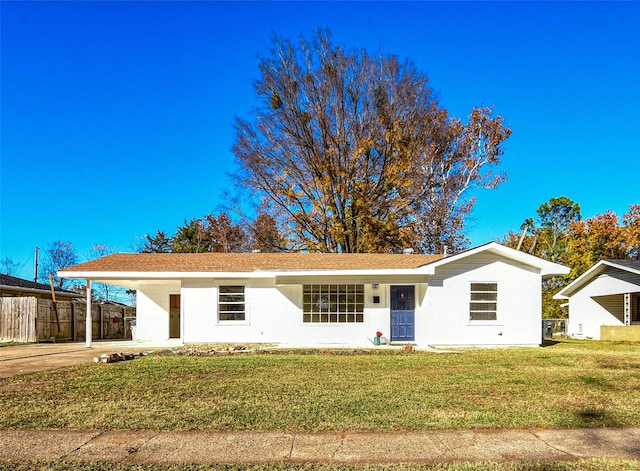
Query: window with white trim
x=333, y=303
x=231, y=303
x=484, y=302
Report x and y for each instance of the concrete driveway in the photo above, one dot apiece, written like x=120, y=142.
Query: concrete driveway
x=30, y=358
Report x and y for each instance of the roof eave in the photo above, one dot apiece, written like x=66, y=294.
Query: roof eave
x=67, y=294
x=173, y=275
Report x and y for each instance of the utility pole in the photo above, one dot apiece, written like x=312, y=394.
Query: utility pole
x=35, y=270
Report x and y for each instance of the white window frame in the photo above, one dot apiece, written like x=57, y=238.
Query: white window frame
x=478, y=297
x=222, y=301
x=333, y=303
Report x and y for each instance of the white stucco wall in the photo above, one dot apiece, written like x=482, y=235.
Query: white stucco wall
x=444, y=317
x=152, y=309
x=274, y=315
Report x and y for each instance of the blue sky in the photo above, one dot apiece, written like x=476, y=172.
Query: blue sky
x=116, y=117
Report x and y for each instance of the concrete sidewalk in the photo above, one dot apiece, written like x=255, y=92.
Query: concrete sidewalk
x=167, y=447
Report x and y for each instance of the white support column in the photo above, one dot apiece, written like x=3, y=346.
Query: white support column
x=88, y=333
x=627, y=308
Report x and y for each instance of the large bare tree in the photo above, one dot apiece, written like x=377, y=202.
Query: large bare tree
x=351, y=152
x=59, y=255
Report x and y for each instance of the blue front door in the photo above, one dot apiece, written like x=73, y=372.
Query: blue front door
x=403, y=307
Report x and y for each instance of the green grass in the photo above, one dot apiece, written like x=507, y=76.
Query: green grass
x=10, y=344
x=581, y=465
x=568, y=384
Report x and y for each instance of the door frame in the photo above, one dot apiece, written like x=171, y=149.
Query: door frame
x=172, y=333
x=413, y=315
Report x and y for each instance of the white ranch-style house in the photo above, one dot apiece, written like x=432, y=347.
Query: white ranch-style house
x=486, y=296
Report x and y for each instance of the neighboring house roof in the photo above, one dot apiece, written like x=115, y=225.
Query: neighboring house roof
x=631, y=266
x=141, y=265
x=12, y=283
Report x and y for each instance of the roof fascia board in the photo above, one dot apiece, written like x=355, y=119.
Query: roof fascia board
x=253, y=274
x=157, y=275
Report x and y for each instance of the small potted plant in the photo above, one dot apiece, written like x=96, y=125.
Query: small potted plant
x=376, y=339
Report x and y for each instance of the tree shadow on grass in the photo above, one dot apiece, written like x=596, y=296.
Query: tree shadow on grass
x=591, y=417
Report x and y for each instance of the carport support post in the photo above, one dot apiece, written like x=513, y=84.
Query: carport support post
x=89, y=321
x=627, y=308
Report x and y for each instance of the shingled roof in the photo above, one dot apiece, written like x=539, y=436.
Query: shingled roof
x=250, y=262
x=12, y=282
x=633, y=264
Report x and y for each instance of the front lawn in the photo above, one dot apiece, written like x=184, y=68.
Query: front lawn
x=569, y=384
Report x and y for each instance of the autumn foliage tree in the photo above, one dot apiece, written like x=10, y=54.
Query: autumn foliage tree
x=562, y=236
x=631, y=227
x=351, y=152
x=601, y=237
x=210, y=233
x=265, y=235
x=222, y=235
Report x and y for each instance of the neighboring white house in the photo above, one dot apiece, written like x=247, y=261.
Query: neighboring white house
x=606, y=294
x=489, y=295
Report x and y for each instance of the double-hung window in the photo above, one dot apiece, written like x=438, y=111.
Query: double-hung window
x=333, y=303
x=231, y=305
x=484, y=302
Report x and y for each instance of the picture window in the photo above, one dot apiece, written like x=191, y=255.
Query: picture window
x=333, y=303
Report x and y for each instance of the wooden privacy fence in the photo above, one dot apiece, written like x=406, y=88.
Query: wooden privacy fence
x=18, y=319
x=37, y=320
